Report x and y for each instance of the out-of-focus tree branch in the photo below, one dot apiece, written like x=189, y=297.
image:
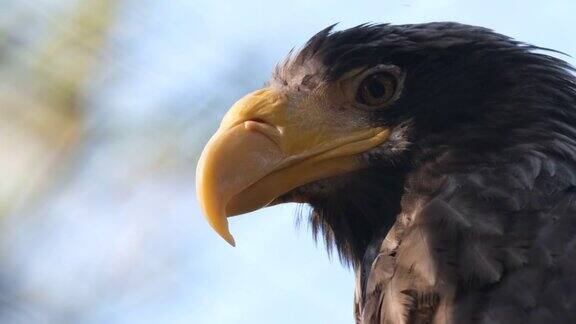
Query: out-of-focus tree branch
x=79, y=153
x=41, y=83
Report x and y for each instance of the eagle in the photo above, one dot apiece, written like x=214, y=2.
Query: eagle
x=439, y=161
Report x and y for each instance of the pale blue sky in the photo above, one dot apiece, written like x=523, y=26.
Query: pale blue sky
x=152, y=245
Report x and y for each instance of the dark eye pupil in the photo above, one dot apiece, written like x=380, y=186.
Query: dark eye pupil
x=376, y=89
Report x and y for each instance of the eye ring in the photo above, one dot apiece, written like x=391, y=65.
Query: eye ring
x=377, y=89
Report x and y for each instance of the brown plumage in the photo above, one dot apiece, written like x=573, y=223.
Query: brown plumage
x=469, y=214
x=465, y=213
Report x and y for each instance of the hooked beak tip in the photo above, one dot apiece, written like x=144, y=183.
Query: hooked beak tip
x=228, y=238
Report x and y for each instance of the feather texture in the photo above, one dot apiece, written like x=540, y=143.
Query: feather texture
x=500, y=262
x=468, y=213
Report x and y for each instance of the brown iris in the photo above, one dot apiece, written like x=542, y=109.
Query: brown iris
x=377, y=89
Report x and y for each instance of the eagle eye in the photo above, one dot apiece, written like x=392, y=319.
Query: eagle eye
x=377, y=89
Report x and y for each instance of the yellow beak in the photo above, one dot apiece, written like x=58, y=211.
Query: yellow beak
x=268, y=145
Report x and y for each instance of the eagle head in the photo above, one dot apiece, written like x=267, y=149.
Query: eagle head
x=349, y=123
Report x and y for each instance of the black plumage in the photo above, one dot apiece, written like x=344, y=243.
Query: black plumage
x=468, y=213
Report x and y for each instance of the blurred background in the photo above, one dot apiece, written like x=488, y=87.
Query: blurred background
x=105, y=106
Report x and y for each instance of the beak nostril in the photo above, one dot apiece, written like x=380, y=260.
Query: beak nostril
x=266, y=129
x=256, y=124
x=258, y=120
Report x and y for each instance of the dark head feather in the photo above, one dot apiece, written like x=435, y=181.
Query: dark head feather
x=467, y=89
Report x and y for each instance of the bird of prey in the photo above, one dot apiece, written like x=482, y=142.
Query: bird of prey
x=439, y=160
